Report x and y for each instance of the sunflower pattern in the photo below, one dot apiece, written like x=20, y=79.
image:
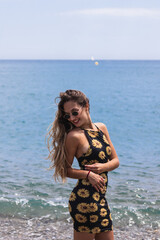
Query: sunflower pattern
x=104, y=177
x=102, y=202
x=102, y=155
x=96, y=196
x=89, y=208
x=96, y=230
x=89, y=151
x=108, y=150
x=83, y=229
x=103, y=190
x=84, y=193
x=96, y=143
x=93, y=134
x=105, y=139
x=80, y=218
x=92, y=162
x=72, y=196
x=85, y=182
x=93, y=218
x=93, y=207
x=105, y=222
x=83, y=207
x=84, y=162
x=103, y=212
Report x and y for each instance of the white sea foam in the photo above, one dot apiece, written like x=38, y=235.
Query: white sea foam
x=22, y=201
x=4, y=199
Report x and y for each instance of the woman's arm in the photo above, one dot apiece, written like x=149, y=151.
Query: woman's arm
x=114, y=161
x=71, y=145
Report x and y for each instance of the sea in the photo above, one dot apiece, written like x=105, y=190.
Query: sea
x=124, y=95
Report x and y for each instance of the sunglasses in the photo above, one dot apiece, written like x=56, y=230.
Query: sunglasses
x=74, y=113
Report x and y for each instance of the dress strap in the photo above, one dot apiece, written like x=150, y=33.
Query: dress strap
x=88, y=129
x=96, y=126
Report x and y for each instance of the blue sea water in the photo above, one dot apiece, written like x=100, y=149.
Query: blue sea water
x=125, y=95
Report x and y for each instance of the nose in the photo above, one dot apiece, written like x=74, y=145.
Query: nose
x=72, y=117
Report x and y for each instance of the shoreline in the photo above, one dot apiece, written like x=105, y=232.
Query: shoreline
x=23, y=229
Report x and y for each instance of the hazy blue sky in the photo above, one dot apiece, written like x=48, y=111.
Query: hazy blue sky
x=79, y=29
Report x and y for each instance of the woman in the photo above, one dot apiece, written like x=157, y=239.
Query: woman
x=74, y=135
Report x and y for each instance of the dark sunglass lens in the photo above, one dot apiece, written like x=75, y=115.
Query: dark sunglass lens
x=67, y=116
x=75, y=113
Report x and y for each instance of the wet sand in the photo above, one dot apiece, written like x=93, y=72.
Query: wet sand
x=20, y=229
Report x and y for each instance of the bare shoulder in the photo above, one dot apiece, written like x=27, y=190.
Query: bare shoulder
x=102, y=127
x=73, y=136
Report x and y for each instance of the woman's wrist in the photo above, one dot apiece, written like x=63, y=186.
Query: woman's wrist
x=88, y=174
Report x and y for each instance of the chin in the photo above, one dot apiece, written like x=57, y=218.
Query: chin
x=78, y=124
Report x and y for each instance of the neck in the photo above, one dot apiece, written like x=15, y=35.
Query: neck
x=88, y=124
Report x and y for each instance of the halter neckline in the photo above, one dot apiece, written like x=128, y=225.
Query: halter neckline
x=91, y=129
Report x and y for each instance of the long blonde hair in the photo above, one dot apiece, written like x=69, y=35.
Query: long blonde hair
x=58, y=131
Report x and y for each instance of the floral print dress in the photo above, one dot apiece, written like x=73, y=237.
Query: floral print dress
x=88, y=208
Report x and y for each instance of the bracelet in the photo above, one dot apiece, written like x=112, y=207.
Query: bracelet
x=88, y=174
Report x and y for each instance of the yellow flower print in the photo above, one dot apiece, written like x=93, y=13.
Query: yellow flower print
x=105, y=139
x=103, y=212
x=93, y=134
x=104, y=177
x=105, y=222
x=93, y=207
x=83, y=229
x=92, y=162
x=96, y=230
x=69, y=207
x=110, y=216
x=83, y=193
x=102, y=202
x=96, y=143
x=89, y=151
x=96, y=196
x=101, y=155
x=108, y=150
x=93, y=218
x=83, y=207
x=85, y=182
x=80, y=218
x=72, y=196
x=103, y=191
x=84, y=162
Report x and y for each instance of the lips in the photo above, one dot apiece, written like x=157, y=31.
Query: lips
x=75, y=121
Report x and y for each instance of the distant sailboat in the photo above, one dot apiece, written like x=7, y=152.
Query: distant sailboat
x=96, y=62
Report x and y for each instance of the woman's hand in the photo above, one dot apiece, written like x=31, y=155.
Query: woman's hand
x=96, y=167
x=96, y=180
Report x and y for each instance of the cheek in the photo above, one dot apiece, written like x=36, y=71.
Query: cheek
x=84, y=116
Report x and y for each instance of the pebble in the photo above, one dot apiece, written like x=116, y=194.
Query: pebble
x=39, y=229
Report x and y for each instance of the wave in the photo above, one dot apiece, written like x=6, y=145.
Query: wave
x=57, y=209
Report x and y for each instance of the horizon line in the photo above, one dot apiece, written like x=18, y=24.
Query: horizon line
x=78, y=59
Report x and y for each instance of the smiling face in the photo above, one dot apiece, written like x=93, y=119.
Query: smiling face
x=76, y=114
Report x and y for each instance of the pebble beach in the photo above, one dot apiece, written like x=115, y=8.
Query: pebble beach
x=20, y=229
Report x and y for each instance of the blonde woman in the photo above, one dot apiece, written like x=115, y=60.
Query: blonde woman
x=73, y=134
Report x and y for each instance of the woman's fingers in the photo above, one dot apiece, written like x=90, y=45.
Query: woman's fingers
x=89, y=167
x=99, y=185
x=96, y=167
x=96, y=188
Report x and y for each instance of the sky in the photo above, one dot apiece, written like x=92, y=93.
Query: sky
x=80, y=29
